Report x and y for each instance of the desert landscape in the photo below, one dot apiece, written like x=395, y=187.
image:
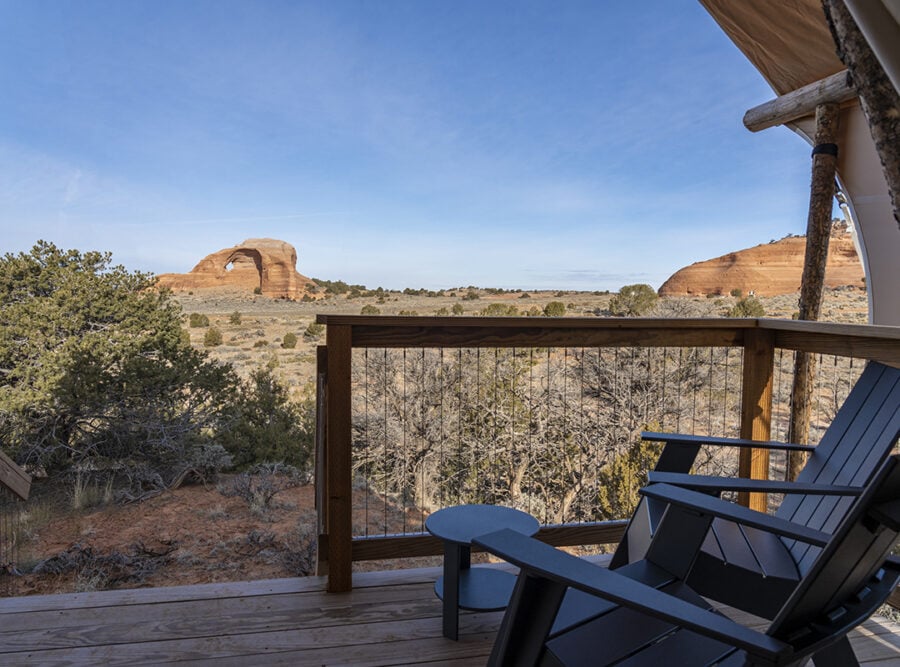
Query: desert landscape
x=239, y=527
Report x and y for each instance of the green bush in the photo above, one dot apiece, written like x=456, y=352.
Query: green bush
x=457, y=309
x=269, y=426
x=555, y=309
x=620, y=480
x=748, y=307
x=471, y=295
x=633, y=300
x=257, y=290
x=314, y=331
x=98, y=374
x=737, y=292
x=289, y=342
x=212, y=338
x=369, y=309
x=235, y=318
x=499, y=310
x=198, y=320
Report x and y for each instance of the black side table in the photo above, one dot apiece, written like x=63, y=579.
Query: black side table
x=462, y=586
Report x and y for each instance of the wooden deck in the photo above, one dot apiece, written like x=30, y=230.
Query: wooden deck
x=390, y=618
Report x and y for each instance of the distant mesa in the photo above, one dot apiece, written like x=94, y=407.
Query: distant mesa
x=768, y=270
x=268, y=266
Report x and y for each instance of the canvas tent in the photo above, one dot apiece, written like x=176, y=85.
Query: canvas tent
x=790, y=43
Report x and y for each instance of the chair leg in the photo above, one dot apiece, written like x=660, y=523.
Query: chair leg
x=839, y=654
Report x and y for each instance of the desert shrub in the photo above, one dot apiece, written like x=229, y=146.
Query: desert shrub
x=555, y=309
x=235, y=317
x=737, y=292
x=442, y=312
x=524, y=295
x=289, y=342
x=534, y=311
x=260, y=484
x=260, y=343
x=198, y=320
x=633, y=300
x=369, y=309
x=307, y=298
x=408, y=312
x=499, y=310
x=620, y=480
x=748, y=307
x=212, y=337
x=269, y=426
x=97, y=372
x=457, y=309
x=314, y=331
x=257, y=290
x=471, y=295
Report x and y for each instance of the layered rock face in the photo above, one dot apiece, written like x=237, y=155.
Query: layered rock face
x=767, y=270
x=267, y=264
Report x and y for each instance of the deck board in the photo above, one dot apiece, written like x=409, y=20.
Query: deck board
x=390, y=618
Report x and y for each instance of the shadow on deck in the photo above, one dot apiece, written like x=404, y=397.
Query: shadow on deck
x=390, y=618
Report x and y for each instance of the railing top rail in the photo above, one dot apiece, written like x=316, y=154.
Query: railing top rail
x=855, y=340
x=833, y=328
x=534, y=322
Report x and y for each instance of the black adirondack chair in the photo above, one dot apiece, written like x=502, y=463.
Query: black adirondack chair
x=757, y=570
x=650, y=617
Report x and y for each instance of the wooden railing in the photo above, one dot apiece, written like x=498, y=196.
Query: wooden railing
x=758, y=340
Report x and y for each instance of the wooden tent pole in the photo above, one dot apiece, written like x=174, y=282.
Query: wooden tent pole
x=879, y=100
x=818, y=232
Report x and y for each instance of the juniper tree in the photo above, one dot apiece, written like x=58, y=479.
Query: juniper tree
x=95, y=364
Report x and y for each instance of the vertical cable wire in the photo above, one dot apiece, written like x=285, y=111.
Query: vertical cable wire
x=367, y=470
x=530, y=416
x=384, y=462
x=459, y=421
x=404, y=458
x=440, y=475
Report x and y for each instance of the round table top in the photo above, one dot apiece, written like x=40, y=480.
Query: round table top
x=462, y=523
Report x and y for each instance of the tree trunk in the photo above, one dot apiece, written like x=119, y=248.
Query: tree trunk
x=878, y=98
x=818, y=232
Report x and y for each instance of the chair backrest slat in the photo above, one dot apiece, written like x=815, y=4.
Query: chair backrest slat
x=847, y=563
x=853, y=448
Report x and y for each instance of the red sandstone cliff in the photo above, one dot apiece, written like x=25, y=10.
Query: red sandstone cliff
x=267, y=264
x=767, y=270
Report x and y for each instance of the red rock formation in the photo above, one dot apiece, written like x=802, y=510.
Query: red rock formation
x=267, y=264
x=767, y=270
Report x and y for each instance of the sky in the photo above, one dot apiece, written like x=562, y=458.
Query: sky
x=554, y=144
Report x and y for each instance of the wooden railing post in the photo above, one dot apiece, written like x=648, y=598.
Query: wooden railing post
x=338, y=459
x=756, y=410
x=321, y=461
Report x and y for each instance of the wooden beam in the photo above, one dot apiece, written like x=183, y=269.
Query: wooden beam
x=812, y=285
x=799, y=103
x=756, y=411
x=14, y=478
x=423, y=544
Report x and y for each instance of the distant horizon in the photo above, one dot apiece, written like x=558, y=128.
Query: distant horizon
x=582, y=146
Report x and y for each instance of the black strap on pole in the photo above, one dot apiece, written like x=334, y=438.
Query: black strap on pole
x=825, y=149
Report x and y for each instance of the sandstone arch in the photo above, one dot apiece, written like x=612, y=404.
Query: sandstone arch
x=264, y=265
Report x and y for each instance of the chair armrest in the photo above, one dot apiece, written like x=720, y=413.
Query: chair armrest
x=711, y=483
x=542, y=561
x=716, y=507
x=694, y=440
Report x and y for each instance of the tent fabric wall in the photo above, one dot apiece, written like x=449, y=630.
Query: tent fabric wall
x=790, y=44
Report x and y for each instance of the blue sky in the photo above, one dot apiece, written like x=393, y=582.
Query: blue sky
x=557, y=144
